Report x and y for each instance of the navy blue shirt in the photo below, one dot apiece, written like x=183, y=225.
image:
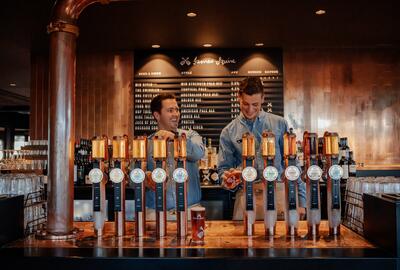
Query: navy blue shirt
x=195, y=151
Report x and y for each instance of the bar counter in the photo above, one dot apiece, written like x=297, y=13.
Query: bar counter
x=225, y=247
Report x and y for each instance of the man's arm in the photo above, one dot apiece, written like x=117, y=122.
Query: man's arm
x=194, y=146
x=226, y=153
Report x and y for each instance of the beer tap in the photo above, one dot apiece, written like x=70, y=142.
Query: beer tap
x=180, y=176
x=270, y=174
x=98, y=180
x=292, y=173
x=159, y=176
x=335, y=173
x=120, y=155
x=138, y=176
x=249, y=174
x=313, y=176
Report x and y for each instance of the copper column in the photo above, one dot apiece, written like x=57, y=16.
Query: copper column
x=63, y=33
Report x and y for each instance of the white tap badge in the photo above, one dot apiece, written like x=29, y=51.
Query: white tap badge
x=137, y=175
x=270, y=173
x=335, y=172
x=249, y=174
x=292, y=173
x=180, y=175
x=159, y=175
x=116, y=175
x=95, y=175
x=314, y=172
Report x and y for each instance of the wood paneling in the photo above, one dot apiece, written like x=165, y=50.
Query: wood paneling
x=103, y=98
x=104, y=95
x=355, y=92
x=39, y=98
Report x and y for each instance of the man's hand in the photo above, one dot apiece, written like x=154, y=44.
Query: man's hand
x=231, y=178
x=302, y=213
x=168, y=135
x=149, y=183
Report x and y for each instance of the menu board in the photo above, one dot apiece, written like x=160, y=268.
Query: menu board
x=206, y=84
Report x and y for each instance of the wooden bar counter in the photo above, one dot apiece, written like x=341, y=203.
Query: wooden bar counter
x=225, y=247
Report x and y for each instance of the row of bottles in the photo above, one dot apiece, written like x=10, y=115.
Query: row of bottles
x=208, y=165
x=346, y=158
x=82, y=162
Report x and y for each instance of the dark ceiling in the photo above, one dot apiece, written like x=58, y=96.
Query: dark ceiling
x=223, y=23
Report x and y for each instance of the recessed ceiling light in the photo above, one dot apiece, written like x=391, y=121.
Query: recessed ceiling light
x=259, y=44
x=155, y=46
x=13, y=84
x=191, y=14
x=320, y=12
x=207, y=45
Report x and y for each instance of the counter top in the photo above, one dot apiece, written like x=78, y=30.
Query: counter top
x=218, y=234
x=225, y=244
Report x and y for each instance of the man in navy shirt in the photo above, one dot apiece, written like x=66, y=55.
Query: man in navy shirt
x=165, y=111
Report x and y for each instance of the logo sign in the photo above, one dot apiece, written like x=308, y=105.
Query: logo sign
x=314, y=172
x=249, y=174
x=159, y=175
x=116, y=175
x=270, y=173
x=180, y=175
x=137, y=175
x=335, y=172
x=95, y=175
x=292, y=173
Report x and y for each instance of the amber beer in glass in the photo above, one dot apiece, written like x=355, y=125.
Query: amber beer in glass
x=198, y=224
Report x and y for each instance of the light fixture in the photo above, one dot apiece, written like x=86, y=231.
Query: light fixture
x=191, y=14
x=155, y=46
x=259, y=44
x=13, y=84
x=207, y=45
x=320, y=12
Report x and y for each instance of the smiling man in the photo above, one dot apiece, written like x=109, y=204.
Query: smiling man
x=165, y=111
x=254, y=120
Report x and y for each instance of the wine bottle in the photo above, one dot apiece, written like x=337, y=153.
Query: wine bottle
x=352, y=165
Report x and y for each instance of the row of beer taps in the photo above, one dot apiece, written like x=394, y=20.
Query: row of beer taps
x=292, y=173
x=118, y=175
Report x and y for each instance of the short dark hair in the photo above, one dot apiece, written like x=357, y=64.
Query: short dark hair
x=251, y=86
x=156, y=102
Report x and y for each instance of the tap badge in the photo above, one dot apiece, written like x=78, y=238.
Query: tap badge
x=180, y=175
x=137, y=175
x=270, y=173
x=116, y=175
x=292, y=173
x=335, y=172
x=314, y=172
x=159, y=175
x=249, y=174
x=95, y=175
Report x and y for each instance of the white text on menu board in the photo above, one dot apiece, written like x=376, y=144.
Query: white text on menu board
x=206, y=61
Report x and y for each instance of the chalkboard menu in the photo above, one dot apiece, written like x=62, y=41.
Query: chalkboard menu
x=206, y=84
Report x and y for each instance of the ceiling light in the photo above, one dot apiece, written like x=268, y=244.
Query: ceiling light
x=259, y=44
x=191, y=14
x=13, y=84
x=155, y=46
x=320, y=12
x=207, y=45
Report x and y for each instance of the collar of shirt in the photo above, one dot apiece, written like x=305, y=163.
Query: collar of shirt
x=250, y=123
